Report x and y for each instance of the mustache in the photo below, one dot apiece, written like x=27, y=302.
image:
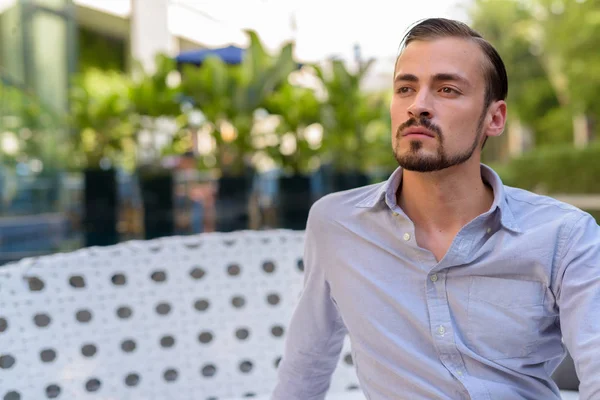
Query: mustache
x=423, y=122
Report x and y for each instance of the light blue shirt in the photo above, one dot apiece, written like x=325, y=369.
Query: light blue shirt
x=486, y=322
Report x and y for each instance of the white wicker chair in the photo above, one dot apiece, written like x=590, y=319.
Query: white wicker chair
x=198, y=317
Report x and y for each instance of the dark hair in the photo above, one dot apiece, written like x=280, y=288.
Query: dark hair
x=494, y=72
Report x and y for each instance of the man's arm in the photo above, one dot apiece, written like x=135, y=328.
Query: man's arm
x=316, y=333
x=578, y=299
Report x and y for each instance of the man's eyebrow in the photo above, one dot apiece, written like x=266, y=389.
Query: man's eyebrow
x=441, y=77
x=406, y=77
x=451, y=77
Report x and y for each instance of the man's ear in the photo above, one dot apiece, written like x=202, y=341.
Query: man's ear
x=496, y=119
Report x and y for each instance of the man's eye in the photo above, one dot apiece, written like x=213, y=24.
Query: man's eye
x=403, y=89
x=449, y=90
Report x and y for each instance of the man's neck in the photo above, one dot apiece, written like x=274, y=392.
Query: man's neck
x=444, y=201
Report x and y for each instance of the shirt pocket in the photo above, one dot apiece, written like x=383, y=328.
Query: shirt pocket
x=504, y=316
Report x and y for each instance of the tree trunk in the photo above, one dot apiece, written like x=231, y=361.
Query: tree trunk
x=581, y=131
x=515, y=138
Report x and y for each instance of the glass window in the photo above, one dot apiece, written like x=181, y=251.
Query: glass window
x=11, y=42
x=50, y=59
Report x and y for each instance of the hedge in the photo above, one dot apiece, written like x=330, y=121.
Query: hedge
x=558, y=170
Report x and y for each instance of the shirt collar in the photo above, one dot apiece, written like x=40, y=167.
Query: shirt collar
x=387, y=192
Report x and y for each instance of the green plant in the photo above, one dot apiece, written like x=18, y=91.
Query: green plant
x=377, y=134
x=102, y=119
x=556, y=170
x=155, y=96
x=229, y=95
x=297, y=108
x=345, y=115
x=151, y=94
x=551, y=62
x=28, y=128
x=98, y=51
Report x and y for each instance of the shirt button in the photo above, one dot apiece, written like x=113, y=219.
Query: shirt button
x=441, y=330
x=489, y=230
x=395, y=214
x=459, y=373
x=406, y=236
x=433, y=278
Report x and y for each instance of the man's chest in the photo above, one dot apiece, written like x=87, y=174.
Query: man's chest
x=496, y=306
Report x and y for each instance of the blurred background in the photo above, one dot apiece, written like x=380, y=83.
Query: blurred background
x=136, y=119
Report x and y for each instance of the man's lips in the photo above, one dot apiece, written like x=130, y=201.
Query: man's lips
x=418, y=131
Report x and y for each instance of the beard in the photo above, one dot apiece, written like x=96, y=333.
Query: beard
x=414, y=161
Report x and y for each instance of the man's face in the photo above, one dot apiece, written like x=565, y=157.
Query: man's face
x=437, y=111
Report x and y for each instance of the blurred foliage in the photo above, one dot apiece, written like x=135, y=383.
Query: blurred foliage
x=230, y=95
x=333, y=121
x=103, y=119
x=114, y=114
x=377, y=154
x=563, y=169
x=155, y=96
x=152, y=94
x=28, y=129
x=98, y=51
x=297, y=108
x=109, y=109
x=346, y=115
x=549, y=48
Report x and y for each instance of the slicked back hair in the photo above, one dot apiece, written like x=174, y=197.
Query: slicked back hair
x=438, y=28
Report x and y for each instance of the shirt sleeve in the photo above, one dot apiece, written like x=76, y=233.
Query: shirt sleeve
x=316, y=332
x=579, y=303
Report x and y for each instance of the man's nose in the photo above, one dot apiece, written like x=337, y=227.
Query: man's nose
x=421, y=107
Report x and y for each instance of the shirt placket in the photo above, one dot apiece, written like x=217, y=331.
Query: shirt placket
x=442, y=329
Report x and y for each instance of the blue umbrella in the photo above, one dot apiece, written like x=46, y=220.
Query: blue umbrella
x=231, y=55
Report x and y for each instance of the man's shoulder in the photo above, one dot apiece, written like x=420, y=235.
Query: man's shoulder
x=526, y=205
x=342, y=203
